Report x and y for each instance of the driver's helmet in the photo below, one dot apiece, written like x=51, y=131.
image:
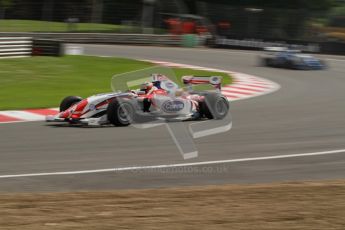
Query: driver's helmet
x=158, y=77
x=146, y=86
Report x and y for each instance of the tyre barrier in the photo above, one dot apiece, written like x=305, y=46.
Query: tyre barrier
x=15, y=47
x=47, y=47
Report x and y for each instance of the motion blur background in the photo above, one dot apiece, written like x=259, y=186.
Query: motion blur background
x=315, y=20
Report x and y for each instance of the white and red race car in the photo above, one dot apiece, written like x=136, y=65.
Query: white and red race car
x=165, y=102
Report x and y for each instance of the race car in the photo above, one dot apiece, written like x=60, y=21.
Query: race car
x=291, y=59
x=164, y=101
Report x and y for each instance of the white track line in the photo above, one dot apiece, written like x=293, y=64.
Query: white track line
x=173, y=165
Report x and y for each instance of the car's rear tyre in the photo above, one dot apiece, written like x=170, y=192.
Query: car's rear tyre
x=120, y=113
x=216, y=107
x=290, y=65
x=68, y=102
x=265, y=62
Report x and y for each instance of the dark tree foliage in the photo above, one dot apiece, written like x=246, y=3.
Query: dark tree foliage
x=57, y=9
x=116, y=11
x=282, y=4
x=272, y=19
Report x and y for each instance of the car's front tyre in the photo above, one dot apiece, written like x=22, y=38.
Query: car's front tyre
x=120, y=113
x=68, y=102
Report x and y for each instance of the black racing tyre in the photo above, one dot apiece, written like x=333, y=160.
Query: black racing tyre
x=68, y=102
x=217, y=106
x=268, y=62
x=290, y=65
x=120, y=113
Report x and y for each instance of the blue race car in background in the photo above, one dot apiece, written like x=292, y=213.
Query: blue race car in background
x=291, y=59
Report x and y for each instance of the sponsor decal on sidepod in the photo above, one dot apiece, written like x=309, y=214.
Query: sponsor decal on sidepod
x=172, y=106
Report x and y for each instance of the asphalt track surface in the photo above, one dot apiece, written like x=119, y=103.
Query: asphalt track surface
x=306, y=115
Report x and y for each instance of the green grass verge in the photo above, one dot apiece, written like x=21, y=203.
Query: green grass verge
x=40, y=82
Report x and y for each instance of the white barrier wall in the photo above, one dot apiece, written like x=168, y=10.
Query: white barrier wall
x=15, y=47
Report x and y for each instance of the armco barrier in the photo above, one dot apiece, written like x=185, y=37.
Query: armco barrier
x=333, y=48
x=15, y=46
x=324, y=47
x=109, y=38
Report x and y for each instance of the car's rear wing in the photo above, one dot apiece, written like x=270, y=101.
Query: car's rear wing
x=281, y=49
x=215, y=81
